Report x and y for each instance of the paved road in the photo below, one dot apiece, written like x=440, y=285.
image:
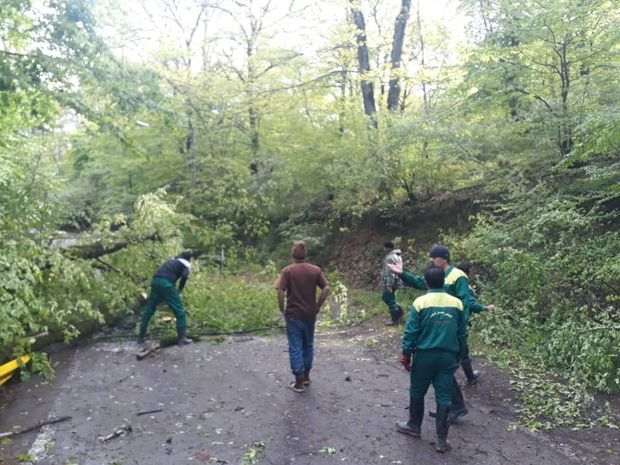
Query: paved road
x=219, y=402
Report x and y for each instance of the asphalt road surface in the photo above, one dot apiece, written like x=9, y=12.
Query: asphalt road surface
x=228, y=403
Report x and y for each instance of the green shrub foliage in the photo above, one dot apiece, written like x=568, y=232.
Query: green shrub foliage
x=554, y=265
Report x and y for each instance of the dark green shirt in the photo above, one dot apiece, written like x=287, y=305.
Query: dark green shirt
x=456, y=284
x=475, y=307
x=417, y=282
x=436, y=321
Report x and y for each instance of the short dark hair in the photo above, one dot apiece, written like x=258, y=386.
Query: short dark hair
x=299, y=250
x=186, y=255
x=465, y=267
x=388, y=244
x=434, y=277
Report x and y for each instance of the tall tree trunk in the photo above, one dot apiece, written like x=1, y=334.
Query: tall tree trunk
x=397, y=52
x=343, y=102
x=363, y=63
x=190, y=144
x=566, y=136
x=253, y=116
x=192, y=155
x=422, y=58
x=254, y=135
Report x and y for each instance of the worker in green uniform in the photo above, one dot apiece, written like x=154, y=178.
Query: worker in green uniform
x=163, y=290
x=457, y=285
x=475, y=307
x=432, y=342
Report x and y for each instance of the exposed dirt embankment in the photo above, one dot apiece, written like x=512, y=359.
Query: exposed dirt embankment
x=358, y=254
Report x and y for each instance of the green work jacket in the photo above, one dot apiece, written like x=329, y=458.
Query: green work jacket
x=456, y=284
x=436, y=322
x=475, y=306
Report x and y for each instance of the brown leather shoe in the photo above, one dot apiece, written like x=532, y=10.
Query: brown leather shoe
x=298, y=384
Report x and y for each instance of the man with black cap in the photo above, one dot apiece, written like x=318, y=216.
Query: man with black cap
x=456, y=284
x=391, y=282
x=163, y=290
x=433, y=337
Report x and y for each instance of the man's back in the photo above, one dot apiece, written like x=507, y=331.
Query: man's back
x=174, y=269
x=437, y=321
x=300, y=281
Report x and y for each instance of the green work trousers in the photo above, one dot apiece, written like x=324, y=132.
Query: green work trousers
x=163, y=290
x=465, y=351
x=436, y=367
x=396, y=311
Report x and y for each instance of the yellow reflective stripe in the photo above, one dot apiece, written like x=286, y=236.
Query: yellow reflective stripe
x=454, y=275
x=437, y=299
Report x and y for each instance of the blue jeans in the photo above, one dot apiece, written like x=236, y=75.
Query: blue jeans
x=300, y=336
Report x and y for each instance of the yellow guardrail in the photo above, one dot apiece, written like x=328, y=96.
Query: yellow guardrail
x=8, y=369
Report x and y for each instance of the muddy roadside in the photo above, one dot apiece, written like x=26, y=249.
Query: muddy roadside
x=229, y=403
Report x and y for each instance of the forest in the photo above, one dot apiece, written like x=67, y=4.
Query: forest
x=130, y=131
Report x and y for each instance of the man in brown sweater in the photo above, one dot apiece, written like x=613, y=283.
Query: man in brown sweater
x=297, y=300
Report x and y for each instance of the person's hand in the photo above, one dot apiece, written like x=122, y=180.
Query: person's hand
x=398, y=269
x=405, y=359
x=389, y=290
x=489, y=307
x=142, y=297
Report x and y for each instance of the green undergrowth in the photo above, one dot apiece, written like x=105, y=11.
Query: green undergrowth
x=226, y=302
x=347, y=306
x=550, y=263
x=547, y=401
x=245, y=300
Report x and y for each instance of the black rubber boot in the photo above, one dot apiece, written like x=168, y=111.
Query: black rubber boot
x=458, y=408
x=471, y=374
x=442, y=426
x=183, y=339
x=306, y=376
x=413, y=427
x=142, y=337
x=398, y=314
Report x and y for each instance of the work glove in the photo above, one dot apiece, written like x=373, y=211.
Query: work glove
x=405, y=359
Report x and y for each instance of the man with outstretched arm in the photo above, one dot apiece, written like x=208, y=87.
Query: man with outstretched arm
x=163, y=290
x=457, y=285
x=297, y=301
x=432, y=342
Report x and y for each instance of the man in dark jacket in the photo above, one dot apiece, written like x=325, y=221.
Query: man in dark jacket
x=298, y=303
x=434, y=336
x=163, y=290
x=391, y=282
